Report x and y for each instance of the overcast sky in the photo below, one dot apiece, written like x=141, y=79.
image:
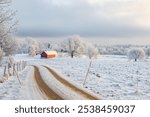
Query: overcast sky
x=88, y=18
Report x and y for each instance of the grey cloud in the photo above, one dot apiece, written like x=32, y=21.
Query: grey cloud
x=40, y=19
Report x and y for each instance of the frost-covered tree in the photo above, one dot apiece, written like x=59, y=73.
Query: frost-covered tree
x=9, y=45
x=22, y=46
x=91, y=51
x=136, y=54
x=34, y=46
x=74, y=45
x=32, y=50
x=7, y=27
x=147, y=52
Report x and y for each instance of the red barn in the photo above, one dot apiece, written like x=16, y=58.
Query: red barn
x=49, y=54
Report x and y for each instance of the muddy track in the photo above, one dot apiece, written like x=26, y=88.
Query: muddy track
x=72, y=86
x=44, y=87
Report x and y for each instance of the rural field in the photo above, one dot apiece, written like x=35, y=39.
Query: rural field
x=109, y=77
x=74, y=50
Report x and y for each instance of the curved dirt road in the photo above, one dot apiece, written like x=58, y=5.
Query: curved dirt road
x=51, y=94
x=72, y=86
x=43, y=86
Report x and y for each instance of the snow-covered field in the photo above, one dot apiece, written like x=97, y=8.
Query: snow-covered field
x=112, y=77
x=11, y=88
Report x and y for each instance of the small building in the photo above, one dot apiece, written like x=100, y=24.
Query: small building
x=49, y=54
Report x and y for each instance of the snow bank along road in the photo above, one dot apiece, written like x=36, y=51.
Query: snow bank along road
x=55, y=87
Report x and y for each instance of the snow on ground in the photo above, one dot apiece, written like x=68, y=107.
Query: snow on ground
x=10, y=89
x=112, y=77
x=29, y=89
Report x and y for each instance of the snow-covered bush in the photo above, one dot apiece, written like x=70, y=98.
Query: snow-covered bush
x=91, y=51
x=136, y=54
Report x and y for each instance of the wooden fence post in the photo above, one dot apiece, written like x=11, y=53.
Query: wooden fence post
x=17, y=67
x=87, y=73
x=5, y=71
x=13, y=69
x=9, y=66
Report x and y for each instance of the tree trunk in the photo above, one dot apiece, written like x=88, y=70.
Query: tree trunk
x=72, y=54
x=135, y=60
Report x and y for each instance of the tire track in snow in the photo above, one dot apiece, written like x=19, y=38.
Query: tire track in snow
x=44, y=87
x=74, y=88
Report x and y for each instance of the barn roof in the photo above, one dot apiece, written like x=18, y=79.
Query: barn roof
x=50, y=52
